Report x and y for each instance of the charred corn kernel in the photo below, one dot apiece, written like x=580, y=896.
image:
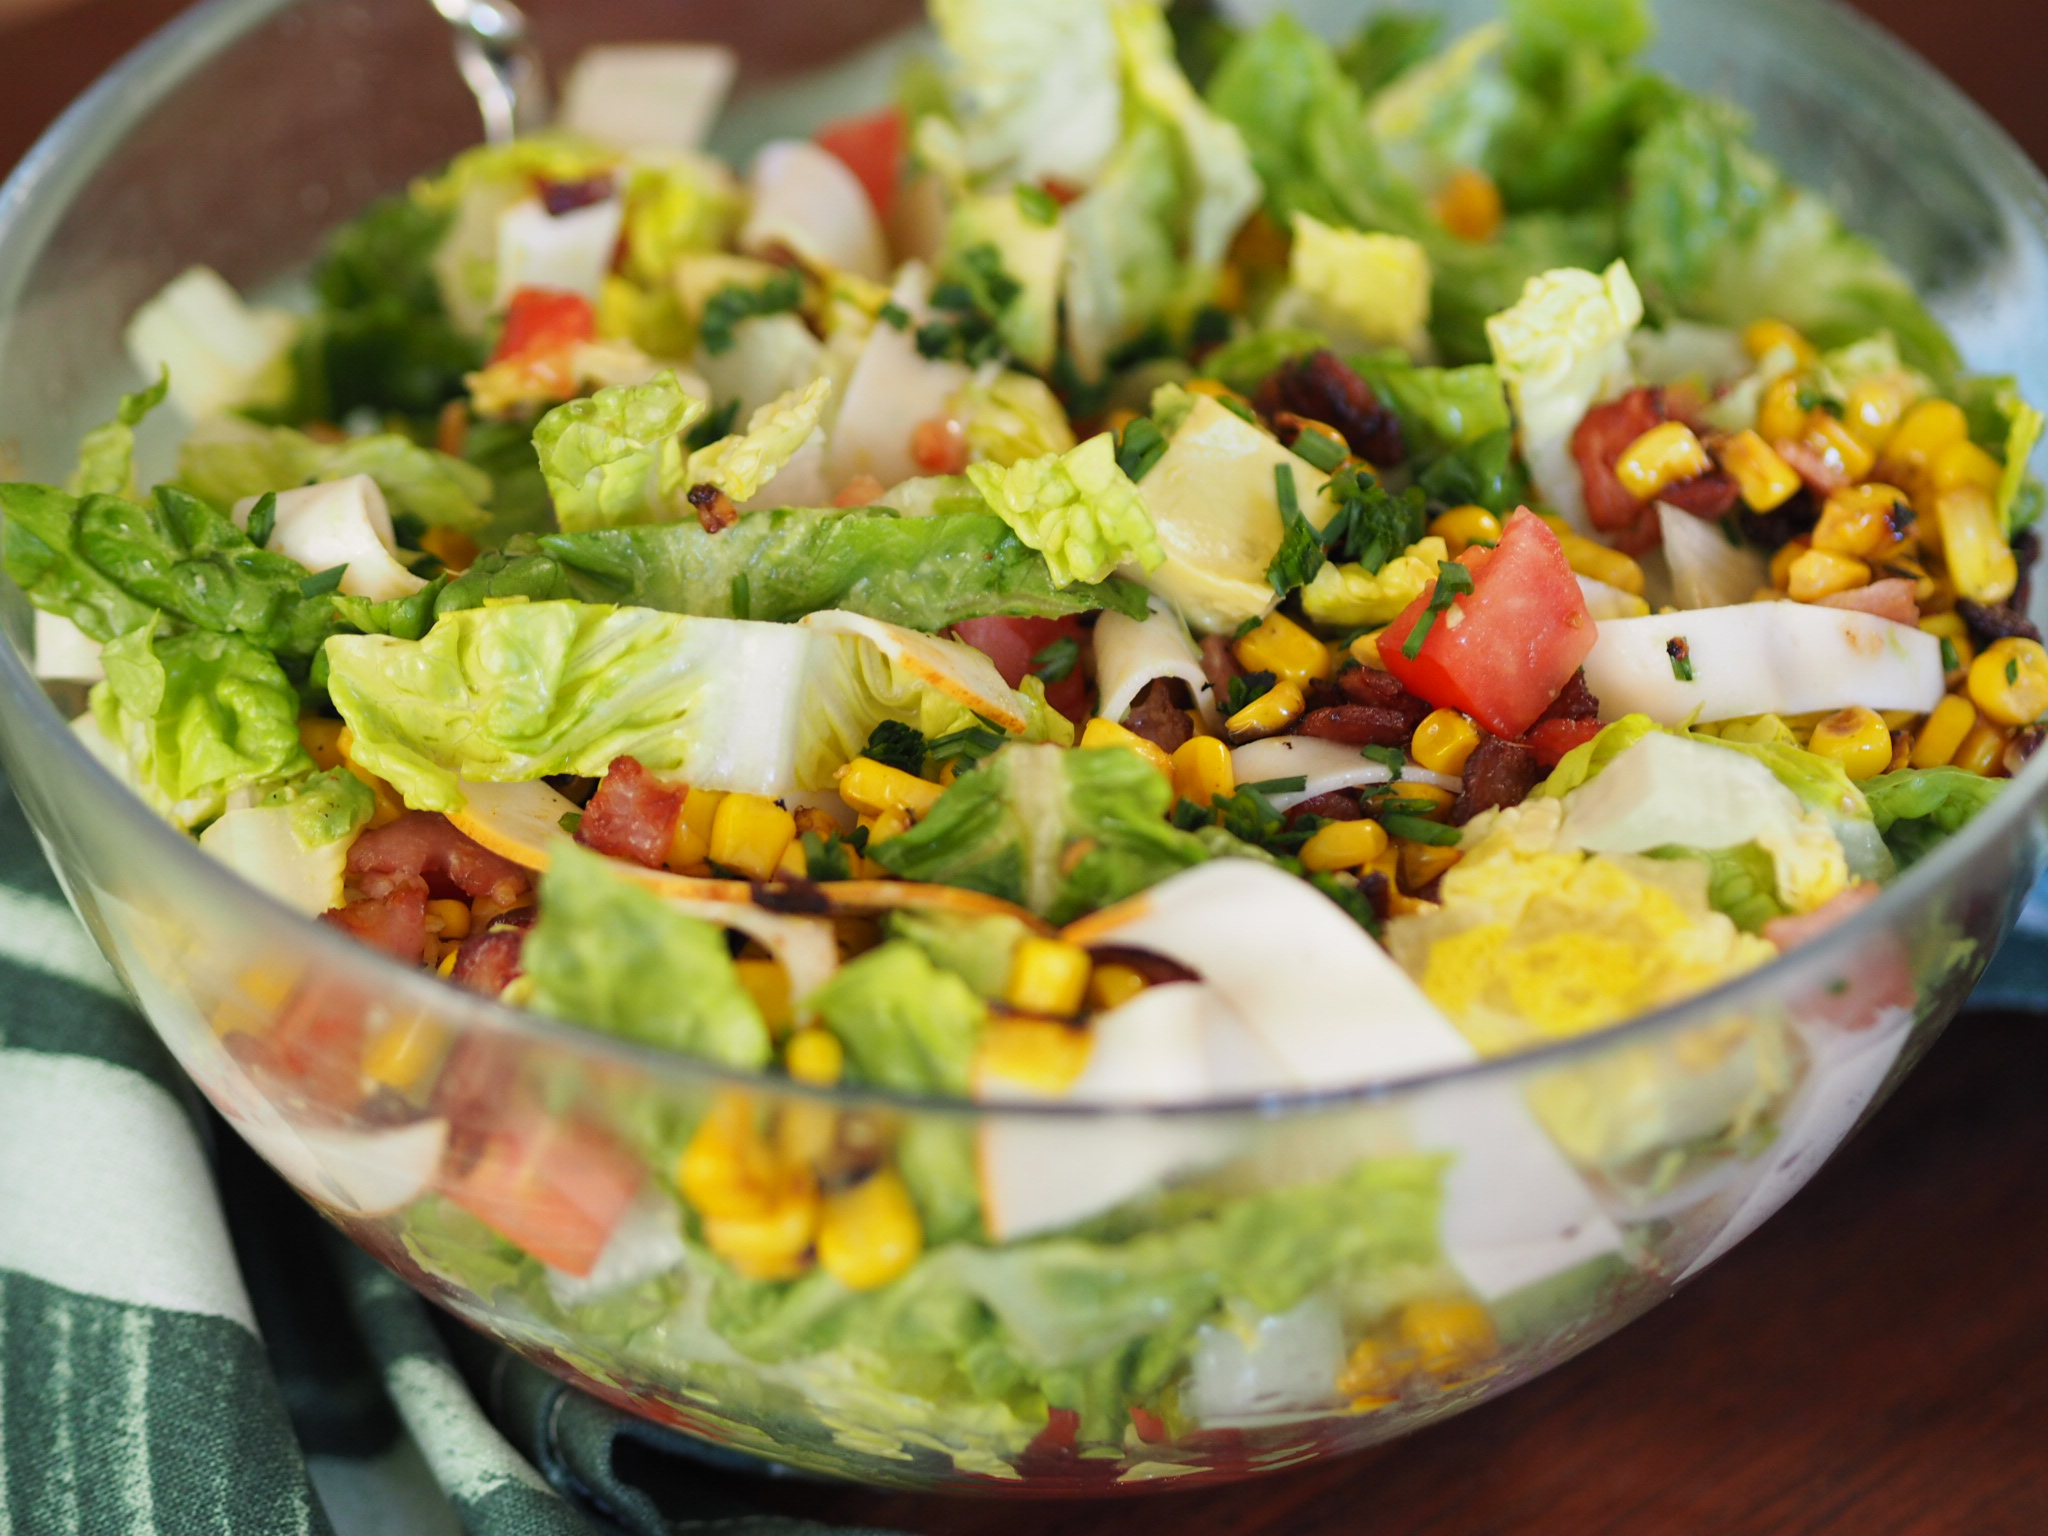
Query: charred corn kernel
x=1038, y=1053
x=1202, y=770
x=727, y=1170
x=1666, y=455
x=1462, y=527
x=449, y=919
x=768, y=984
x=748, y=833
x=1965, y=464
x=451, y=546
x=1766, y=481
x=1862, y=521
x=1282, y=647
x=2009, y=682
x=1048, y=976
x=1942, y=737
x=1423, y=862
x=1818, y=574
x=1107, y=733
x=1444, y=741
x=1929, y=429
x=1781, y=416
x=1113, y=985
x=1447, y=1334
x=1469, y=206
x=773, y=1246
x=1268, y=715
x=815, y=1056
x=403, y=1054
x=1857, y=739
x=1980, y=561
x=885, y=826
x=1783, y=561
x=869, y=1235
x=1982, y=751
x=322, y=741
x=1829, y=437
x=1873, y=411
x=690, y=845
x=1764, y=337
x=1950, y=627
x=1372, y=1375
x=1344, y=845
x=873, y=787
x=1365, y=650
x=1435, y=794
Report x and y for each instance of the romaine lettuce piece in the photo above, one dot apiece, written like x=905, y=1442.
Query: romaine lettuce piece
x=618, y=456
x=1012, y=417
x=978, y=950
x=1077, y=509
x=1742, y=882
x=230, y=459
x=1442, y=114
x=906, y=1023
x=106, y=456
x=1921, y=808
x=613, y=957
x=741, y=464
x=326, y=808
x=1036, y=89
x=1362, y=291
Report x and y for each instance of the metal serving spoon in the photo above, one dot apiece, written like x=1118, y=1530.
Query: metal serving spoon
x=499, y=64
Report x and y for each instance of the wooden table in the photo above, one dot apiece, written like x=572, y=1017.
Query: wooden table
x=1874, y=1362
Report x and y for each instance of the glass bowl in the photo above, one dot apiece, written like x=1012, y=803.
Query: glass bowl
x=1277, y=1280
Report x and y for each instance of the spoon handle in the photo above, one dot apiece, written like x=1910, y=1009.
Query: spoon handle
x=499, y=65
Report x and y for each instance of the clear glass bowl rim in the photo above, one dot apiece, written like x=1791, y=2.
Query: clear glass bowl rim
x=36, y=193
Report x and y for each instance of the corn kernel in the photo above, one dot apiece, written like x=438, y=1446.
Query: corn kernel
x=1048, y=976
x=1422, y=863
x=401, y=1055
x=774, y=1246
x=1781, y=416
x=1827, y=436
x=1365, y=650
x=794, y=864
x=1469, y=206
x=1038, y=1053
x=1941, y=738
x=1862, y=521
x=1764, y=337
x=1950, y=627
x=1101, y=732
x=1596, y=561
x=1766, y=481
x=1857, y=739
x=1344, y=845
x=1202, y=770
x=322, y=741
x=449, y=919
x=1982, y=751
x=805, y=1134
x=1113, y=985
x=1964, y=463
x=869, y=1235
x=871, y=787
x=1269, y=714
x=749, y=833
x=1444, y=741
x=1666, y=455
x=1873, y=411
x=815, y=1056
x=1782, y=561
x=1447, y=1335
x=1818, y=574
x=1399, y=902
x=727, y=1169
x=690, y=845
x=1980, y=561
x=1372, y=1375
x=2009, y=682
x=1282, y=647
x=1462, y=527
x=1928, y=430
x=768, y=984
x=1435, y=794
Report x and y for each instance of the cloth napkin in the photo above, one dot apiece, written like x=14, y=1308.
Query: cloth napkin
x=185, y=1346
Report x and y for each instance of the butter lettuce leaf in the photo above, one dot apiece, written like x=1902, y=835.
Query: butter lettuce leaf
x=742, y=464
x=618, y=456
x=1919, y=809
x=230, y=459
x=326, y=807
x=906, y=1024
x=106, y=457
x=1742, y=882
x=1077, y=509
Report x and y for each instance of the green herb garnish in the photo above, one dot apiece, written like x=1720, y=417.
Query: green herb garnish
x=1056, y=663
x=735, y=303
x=1416, y=830
x=1453, y=581
x=897, y=745
x=1038, y=205
x=320, y=583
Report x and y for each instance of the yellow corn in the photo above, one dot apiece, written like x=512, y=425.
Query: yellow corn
x=1048, y=976
x=690, y=845
x=1950, y=627
x=1372, y=1376
x=1344, y=845
x=871, y=788
x=322, y=741
x=1424, y=862
x=728, y=1169
x=1447, y=1335
x=1873, y=411
x=1863, y=521
x=1857, y=739
x=1365, y=650
x=1102, y=732
x=768, y=984
x=1829, y=437
x=1784, y=559
x=446, y=967
x=449, y=919
x=1928, y=430
x=885, y=826
x=1462, y=527
x=1399, y=902
x=1818, y=574
x=1469, y=206
x=869, y=1235
x=1767, y=336
x=1270, y=714
x=774, y=1246
x=401, y=1055
x=1435, y=794
x=1596, y=561
x=1980, y=561
x=1113, y=985
x=1982, y=751
x=1444, y=741
x=1766, y=481
x=815, y=1056
x=1666, y=455
x=2009, y=682
x=1964, y=463
x=1282, y=647
x=1039, y=1053
x=1781, y=417
x=1942, y=737
x=748, y=833
x=1202, y=770
x=794, y=864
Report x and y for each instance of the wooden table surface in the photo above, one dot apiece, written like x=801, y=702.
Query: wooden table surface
x=1874, y=1362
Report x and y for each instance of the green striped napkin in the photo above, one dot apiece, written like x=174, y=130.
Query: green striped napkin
x=184, y=1346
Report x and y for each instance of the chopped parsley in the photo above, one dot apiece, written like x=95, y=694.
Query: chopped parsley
x=1681, y=658
x=1038, y=205
x=1372, y=525
x=1416, y=830
x=832, y=857
x=1302, y=554
x=735, y=303
x=1139, y=448
x=263, y=519
x=1056, y=663
x=967, y=305
x=896, y=745
x=320, y=583
x=1453, y=581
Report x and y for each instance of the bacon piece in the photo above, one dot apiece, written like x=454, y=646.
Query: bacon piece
x=424, y=851
x=1821, y=477
x=1498, y=775
x=565, y=197
x=1603, y=437
x=1791, y=932
x=1891, y=599
x=1359, y=725
x=715, y=511
x=1219, y=665
x=1159, y=716
x=1337, y=805
x=1382, y=690
x=1575, y=703
x=1711, y=496
x=1990, y=623
x=1321, y=388
x=490, y=959
x=632, y=815
x=395, y=922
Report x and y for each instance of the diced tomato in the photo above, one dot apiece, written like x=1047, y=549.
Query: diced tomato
x=872, y=148
x=1012, y=644
x=1603, y=437
x=543, y=320
x=1550, y=740
x=1150, y=1427
x=1507, y=651
x=557, y=1188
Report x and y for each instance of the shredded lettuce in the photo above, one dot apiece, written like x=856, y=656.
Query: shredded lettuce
x=1035, y=89
x=1077, y=509
x=1364, y=291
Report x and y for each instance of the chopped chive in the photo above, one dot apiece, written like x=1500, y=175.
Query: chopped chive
x=1416, y=830
x=1681, y=658
x=1139, y=448
x=1293, y=786
x=894, y=315
x=1238, y=408
x=1056, y=663
x=321, y=583
x=1326, y=453
x=1950, y=660
x=1453, y=581
x=1393, y=759
x=263, y=519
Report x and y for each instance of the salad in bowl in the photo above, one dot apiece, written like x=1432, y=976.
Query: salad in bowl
x=1166, y=569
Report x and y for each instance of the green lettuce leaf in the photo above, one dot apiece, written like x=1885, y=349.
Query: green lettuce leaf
x=1919, y=809
x=613, y=957
x=2003, y=423
x=906, y=1024
x=618, y=456
x=1077, y=509
x=1059, y=832
x=106, y=457
x=742, y=465
x=1011, y=417
x=326, y=807
x=228, y=460
x=496, y=576
x=978, y=950
x=1035, y=90
x=1742, y=883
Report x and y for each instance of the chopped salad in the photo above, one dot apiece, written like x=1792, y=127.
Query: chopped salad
x=1061, y=589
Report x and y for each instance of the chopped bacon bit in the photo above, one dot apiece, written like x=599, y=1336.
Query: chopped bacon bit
x=1550, y=740
x=1891, y=598
x=1359, y=725
x=1821, y=477
x=632, y=815
x=715, y=511
x=1382, y=690
x=1990, y=623
x=1321, y=388
x=939, y=446
x=395, y=923
x=565, y=197
x=1156, y=968
x=861, y=491
x=1711, y=496
x=1607, y=433
x=1575, y=703
x=1160, y=717
x=1498, y=776
x=1335, y=806
x=423, y=852
x=489, y=959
